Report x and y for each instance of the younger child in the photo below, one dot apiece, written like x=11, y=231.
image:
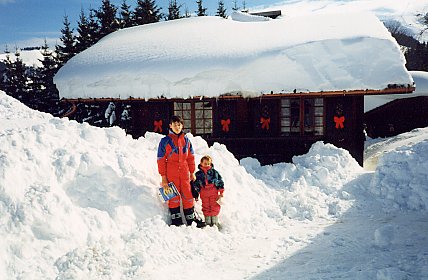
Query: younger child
x=210, y=185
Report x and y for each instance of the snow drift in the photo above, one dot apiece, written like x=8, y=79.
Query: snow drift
x=401, y=177
x=69, y=186
x=80, y=202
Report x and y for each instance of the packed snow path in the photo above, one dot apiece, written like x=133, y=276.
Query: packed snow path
x=364, y=243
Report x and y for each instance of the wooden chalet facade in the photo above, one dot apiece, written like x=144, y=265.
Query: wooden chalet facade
x=272, y=127
x=283, y=64
x=397, y=116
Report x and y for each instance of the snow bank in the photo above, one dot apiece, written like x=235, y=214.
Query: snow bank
x=375, y=148
x=12, y=110
x=311, y=186
x=209, y=56
x=79, y=202
x=74, y=197
x=401, y=178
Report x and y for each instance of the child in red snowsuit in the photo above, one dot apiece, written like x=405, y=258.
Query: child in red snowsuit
x=176, y=163
x=210, y=185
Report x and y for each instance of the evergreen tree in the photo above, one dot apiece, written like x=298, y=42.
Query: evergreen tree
x=173, y=10
x=201, y=10
x=235, y=6
x=244, y=7
x=68, y=49
x=417, y=57
x=424, y=21
x=125, y=15
x=16, y=80
x=93, y=27
x=146, y=12
x=49, y=98
x=35, y=88
x=187, y=12
x=83, y=39
x=3, y=72
x=416, y=53
x=21, y=78
x=221, y=11
x=107, y=18
x=2, y=80
x=5, y=79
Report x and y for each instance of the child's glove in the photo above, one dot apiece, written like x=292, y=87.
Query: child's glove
x=194, y=189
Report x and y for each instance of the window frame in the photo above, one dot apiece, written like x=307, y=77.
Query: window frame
x=197, y=119
x=316, y=116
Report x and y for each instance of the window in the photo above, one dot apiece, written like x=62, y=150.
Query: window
x=318, y=116
x=302, y=116
x=197, y=116
x=184, y=110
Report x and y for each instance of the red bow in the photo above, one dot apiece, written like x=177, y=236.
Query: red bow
x=225, y=125
x=265, y=123
x=339, y=121
x=158, y=126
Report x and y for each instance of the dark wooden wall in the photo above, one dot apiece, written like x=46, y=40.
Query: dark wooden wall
x=398, y=116
x=349, y=135
x=247, y=136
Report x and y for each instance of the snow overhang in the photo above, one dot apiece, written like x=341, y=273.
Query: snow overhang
x=212, y=56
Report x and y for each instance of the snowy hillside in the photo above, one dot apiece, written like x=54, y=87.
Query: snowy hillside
x=79, y=202
x=406, y=12
x=30, y=58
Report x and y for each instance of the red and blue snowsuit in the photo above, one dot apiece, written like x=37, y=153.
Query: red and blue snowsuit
x=209, y=184
x=176, y=161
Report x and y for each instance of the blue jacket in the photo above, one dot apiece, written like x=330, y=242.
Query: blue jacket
x=211, y=177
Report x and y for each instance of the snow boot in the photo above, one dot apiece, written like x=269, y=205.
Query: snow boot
x=208, y=220
x=214, y=221
x=200, y=223
x=189, y=214
x=175, y=216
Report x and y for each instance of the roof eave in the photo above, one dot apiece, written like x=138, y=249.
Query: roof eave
x=389, y=90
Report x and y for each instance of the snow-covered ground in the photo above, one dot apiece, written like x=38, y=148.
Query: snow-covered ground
x=79, y=202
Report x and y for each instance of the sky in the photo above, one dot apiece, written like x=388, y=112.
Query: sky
x=28, y=22
x=81, y=202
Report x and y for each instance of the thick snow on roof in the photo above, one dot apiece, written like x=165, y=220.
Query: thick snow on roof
x=209, y=56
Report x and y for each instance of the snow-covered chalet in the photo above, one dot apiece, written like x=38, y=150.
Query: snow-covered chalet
x=266, y=88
